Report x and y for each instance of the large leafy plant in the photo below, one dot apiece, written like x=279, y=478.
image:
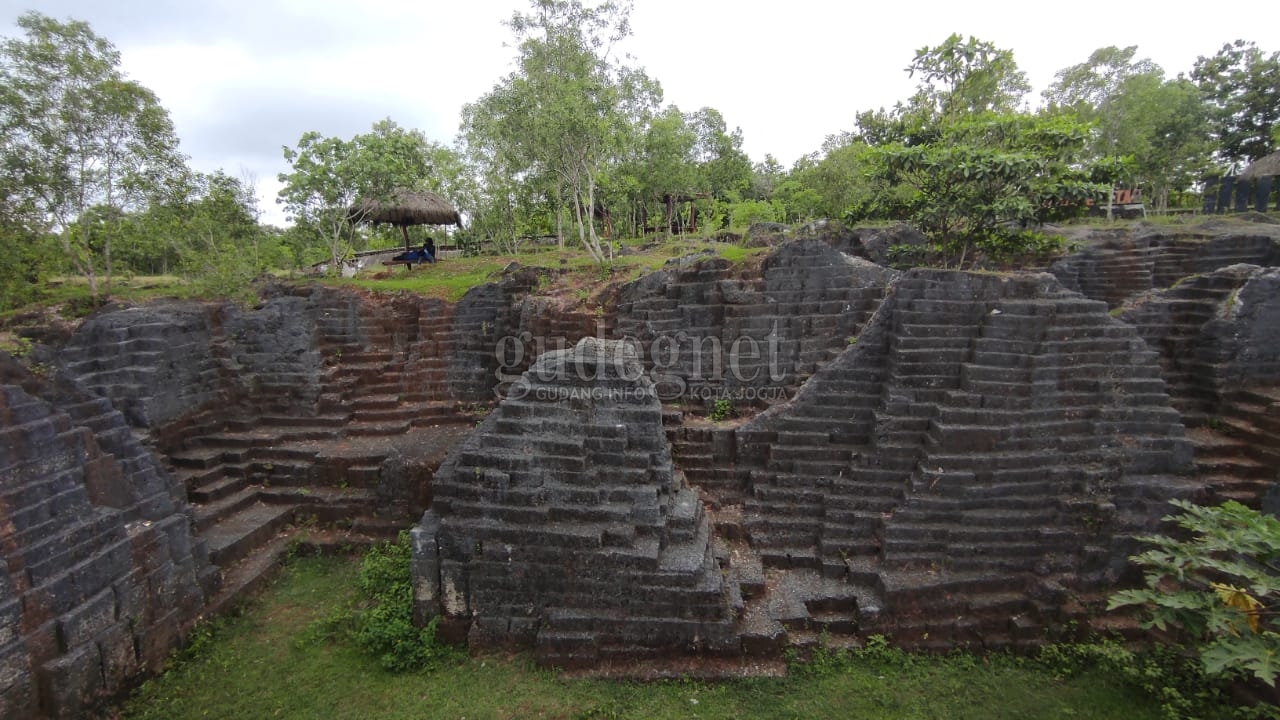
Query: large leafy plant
x=1219, y=589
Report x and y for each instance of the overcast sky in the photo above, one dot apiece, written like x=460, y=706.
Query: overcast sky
x=242, y=78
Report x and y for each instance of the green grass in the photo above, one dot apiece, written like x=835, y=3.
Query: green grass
x=73, y=292
x=254, y=666
x=449, y=280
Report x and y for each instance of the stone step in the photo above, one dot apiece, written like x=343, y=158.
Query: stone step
x=365, y=429
x=389, y=415
x=70, y=543
x=215, y=511
x=375, y=402
x=285, y=453
x=197, y=458
x=234, y=537
x=1240, y=467
x=793, y=557
x=227, y=482
x=248, y=439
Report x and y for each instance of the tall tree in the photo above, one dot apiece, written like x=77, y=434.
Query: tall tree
x=987, y=172
x=329, y=175
x=666, y=165
x=82, y=144
x=1090, y=84
x=841, y=178
x=1159, y=126
x=562, y=116
x=1166, y=134
x=1243, y=86
x=724, y=169
x=965, y=77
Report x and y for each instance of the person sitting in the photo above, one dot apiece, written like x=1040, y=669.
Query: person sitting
x=419, y=256
x=429, y=250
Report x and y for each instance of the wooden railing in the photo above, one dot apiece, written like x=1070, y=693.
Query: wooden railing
x=1235, y=194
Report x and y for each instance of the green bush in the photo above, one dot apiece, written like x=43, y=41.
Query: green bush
x=1167, y=674
x=722, y=410
x=1218, y=590
x=382, y=625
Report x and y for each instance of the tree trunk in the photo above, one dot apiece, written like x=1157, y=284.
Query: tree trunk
x=106, y=251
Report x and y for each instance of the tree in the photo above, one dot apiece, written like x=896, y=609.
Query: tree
x=1089, y=85
x=667, y=166
x=1219, y=589
x=82, y=143
x=1167, y=137
x=840, y=179
x=724, y=169
x=765, y=177
x=564, y=115
x=1100, y=91
x=1243, y=86
x=27, y=257
x=225, y=247
x=964, y=77
x=1159, y=125
x=987, y=173
x=329, y=175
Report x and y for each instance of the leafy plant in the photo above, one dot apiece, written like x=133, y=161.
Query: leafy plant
x=1219, y=590
x=723, y=410
x=383, y=625
x=1166, y=674
x=984, y=176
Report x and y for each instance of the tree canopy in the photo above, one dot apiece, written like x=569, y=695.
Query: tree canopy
x=575, y=141
x=330, y=175
x=81, y=143
x=1242, y=86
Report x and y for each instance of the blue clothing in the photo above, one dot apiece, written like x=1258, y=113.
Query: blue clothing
x=414, y=256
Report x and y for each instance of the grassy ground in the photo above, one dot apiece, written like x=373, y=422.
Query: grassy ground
x=255, y=666
x=68, y=297
x=451, y=279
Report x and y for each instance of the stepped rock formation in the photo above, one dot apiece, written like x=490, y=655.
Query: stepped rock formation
x=318, y=404
x=707, y=333
x=988, y=434
x=754, y=339
x=561, y=524
x=1118, y=264
x=102, y=572
x=1218, y=336
x=941, y=457
x=982, y=454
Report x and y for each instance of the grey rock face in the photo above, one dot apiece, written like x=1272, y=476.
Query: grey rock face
x=996, y=426
x=705, y=334
x=561, y=524
x=98, y=550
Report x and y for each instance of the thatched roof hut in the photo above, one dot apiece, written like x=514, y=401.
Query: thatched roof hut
x=405, y=208
x=1262, y=167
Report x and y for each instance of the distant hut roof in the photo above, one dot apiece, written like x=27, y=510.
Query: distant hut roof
x=407, y=207
x=1263, y=167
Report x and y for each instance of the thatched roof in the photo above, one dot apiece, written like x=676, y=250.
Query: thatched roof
x=1262, y=167
x=407, y=207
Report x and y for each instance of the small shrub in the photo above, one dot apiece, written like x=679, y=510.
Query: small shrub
x=723, y=410
x=383, y=623
x=1167, y=674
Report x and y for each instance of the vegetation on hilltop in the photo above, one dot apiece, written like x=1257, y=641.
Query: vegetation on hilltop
x=577, y=145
